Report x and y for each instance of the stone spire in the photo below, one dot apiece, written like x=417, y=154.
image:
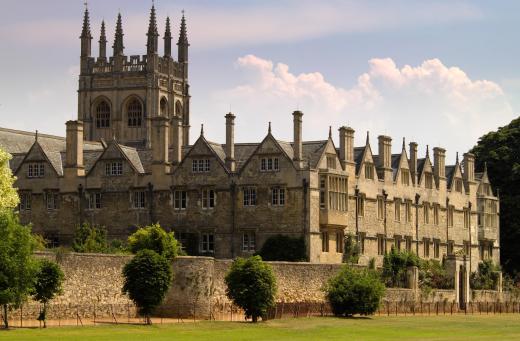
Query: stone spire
x=118, y=40
x=153, y=35
x=404, y=143
x=167, y=39
x=368, y=139
x=86, y=36
x=330, y=132
x=103, y=42
x=183, y=41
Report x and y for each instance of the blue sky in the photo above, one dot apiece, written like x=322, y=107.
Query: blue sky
x=439, y=72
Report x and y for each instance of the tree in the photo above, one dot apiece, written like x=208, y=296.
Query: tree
x=8, y=195
x=155, y=238
x=147, y=278
x=350, y=249
x=486, y=277
x=48, y=284
x=501, y=151
x=283, y=248
x=354, y=291
x=89, y=238
x=395, y=264
x=251, y=285
x=17, y=265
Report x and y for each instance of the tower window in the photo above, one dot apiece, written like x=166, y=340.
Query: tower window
x=135, y=113
x=164, y=107
x=103, y=115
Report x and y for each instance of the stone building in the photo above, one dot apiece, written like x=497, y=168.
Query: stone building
x=127, y=162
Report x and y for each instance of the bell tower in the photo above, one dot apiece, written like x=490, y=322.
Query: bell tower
x=119, y=95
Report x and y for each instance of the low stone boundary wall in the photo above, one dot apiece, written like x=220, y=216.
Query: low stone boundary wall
x=93, y=283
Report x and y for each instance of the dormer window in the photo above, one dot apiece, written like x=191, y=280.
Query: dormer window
x=369, y=171
x=270, y=164
x=200, y=166
x=36, y=170
x=331, y=162
x=458, y=185
x=428, y=180
x=405, y=177
x=114, y=168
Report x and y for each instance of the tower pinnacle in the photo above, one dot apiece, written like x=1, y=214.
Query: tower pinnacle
x=118, y=40
x=152, y=44
x=183, y=43
x=86, y=36
x=103, y=42
x=168, y=39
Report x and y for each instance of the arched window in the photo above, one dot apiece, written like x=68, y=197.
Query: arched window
x=178, y=109
x=135, y=113
x=103, y=115
x=164, y=107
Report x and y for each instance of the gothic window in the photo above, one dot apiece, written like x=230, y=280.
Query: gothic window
x=436, y=214
x=361, y=205
x=380, y=245
x=408, y=211
x=178, y=109
x=208, y=199
x=324, y=241
x=135, y=113
x=248, y=242
x=380, y=208
x=164, y=107
x=397, y=210
x=103, y=115
x=408, y=240
x=426, y=248
x=337, y=193
x=180, y=200
x=426, y=209
x=450, y=212
x=436, y=248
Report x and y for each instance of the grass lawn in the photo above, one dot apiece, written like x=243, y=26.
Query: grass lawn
x=459, y=327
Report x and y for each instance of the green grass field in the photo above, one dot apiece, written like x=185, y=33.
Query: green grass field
x=460, y=327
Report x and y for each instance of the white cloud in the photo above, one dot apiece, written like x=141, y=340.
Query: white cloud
x=431, y=102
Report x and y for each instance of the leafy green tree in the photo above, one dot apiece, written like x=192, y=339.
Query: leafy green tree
x=90, y=239
x=501, y=151
x=8, y=195
x=355, y=291
x=433, y=275
x=155, y=238
x=395, y=264
x=251, y=285
x=17, y=265
x=486, y=277
x=48, y=284
x=283, y=248
x=147, y=278
x=350, y=249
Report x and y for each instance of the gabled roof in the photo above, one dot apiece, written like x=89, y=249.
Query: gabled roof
x=128, y=153
x=52, y=157
x=216, y=149
x=132, y=156
x=450, y=171
x=312, y=151
x=358, y=157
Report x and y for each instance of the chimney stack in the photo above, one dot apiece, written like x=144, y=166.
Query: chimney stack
x=346, y=144
x=439, y=163
x=413, y=161
x=297, y=120
x=74, y=149
x=230, y=141
x=469, y=167
x=385, y=156
x=177, y=139
x=160, y=135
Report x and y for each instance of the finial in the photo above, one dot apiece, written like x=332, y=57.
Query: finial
x=427, y=150
x=85, y=32
x=368, y=138
x=269, y=128
x=404, y=143
x=202, y=129
x=118, y=40
x=457, y=158
x=330, y=132
x=183, y=36
x=485, y=167
x=36, y=136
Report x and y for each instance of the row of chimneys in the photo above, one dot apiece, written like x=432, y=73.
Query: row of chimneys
x=161, y=144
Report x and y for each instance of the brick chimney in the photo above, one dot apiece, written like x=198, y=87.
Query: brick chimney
x=385, y=157
x=297, y=120
x=74, y=150
x=346, y=144
x=413, y=161
x=160, y=137
x=230, y=142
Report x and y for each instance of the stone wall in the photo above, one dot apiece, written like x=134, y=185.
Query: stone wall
x=93, y=285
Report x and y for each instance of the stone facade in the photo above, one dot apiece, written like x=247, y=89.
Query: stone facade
x=126, y=162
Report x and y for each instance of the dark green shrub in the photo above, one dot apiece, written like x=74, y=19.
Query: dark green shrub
x=355, y=291
x=147, y=278
x=90, y=239
x=251, y=285
x=49, y=279
x=155, y=238
x=395, y=264
x=350, y=249
x=433, y=275
x=486, y=277
x=283, y=248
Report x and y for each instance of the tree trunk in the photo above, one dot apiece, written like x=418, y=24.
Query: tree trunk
x=6, y=323
x=148, y=320
x=44, y=314
x=255, y=318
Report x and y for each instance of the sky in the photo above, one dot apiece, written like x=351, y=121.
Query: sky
x=440, y=73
